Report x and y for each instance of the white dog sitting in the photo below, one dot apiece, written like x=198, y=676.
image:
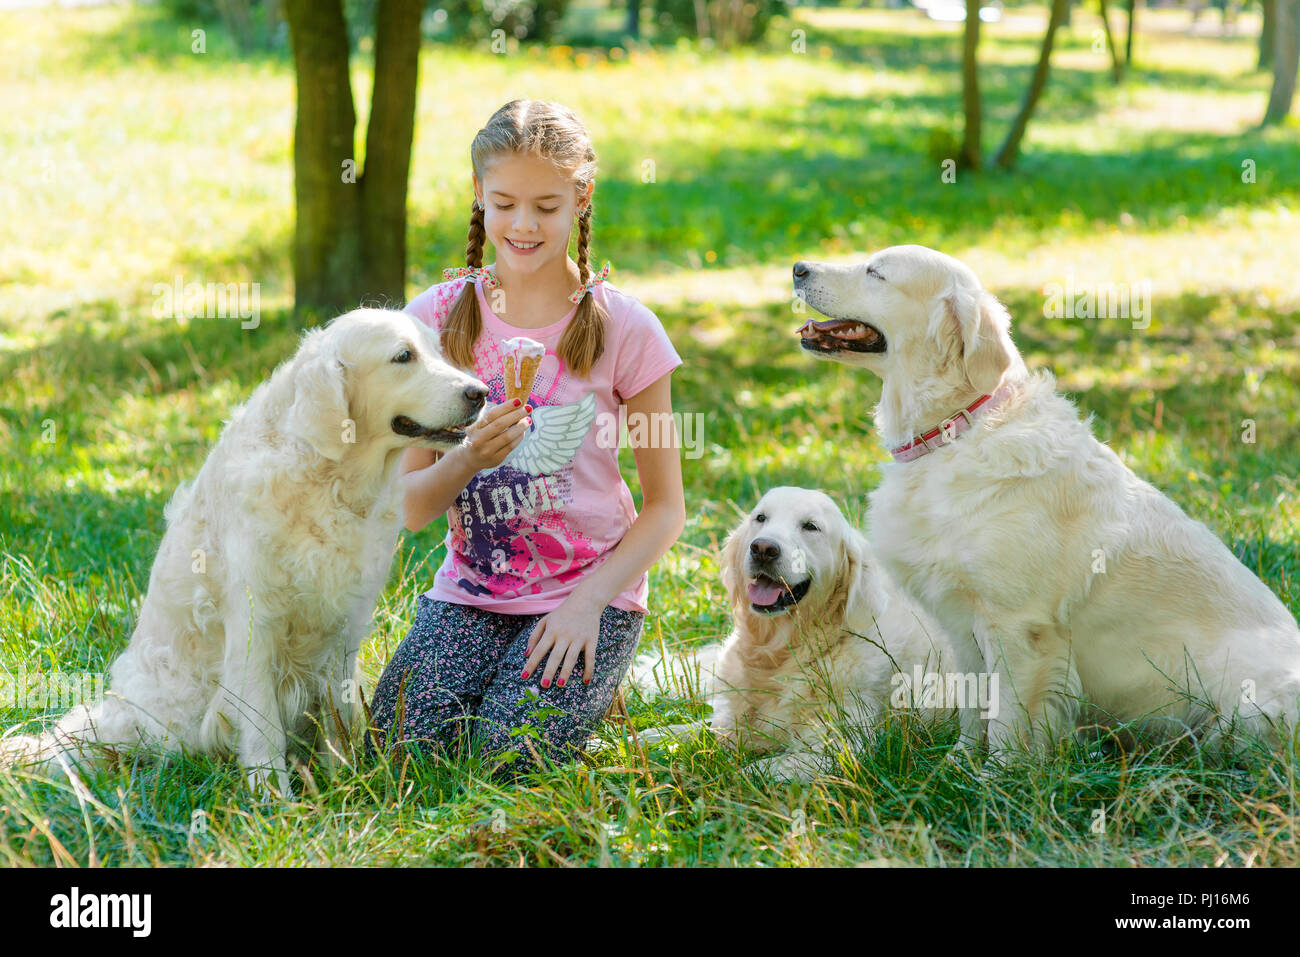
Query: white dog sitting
x=265, y=583
x=823, y=642
x=1092, y=596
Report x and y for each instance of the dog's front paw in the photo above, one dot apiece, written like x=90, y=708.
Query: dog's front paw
x=964, y=758
x=21, y=750
x=762, y=769
x=796, y=766
x=266, y=781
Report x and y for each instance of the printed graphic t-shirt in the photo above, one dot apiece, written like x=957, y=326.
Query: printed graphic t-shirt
x=522, y=536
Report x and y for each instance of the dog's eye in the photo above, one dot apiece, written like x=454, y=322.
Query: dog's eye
x=760, y=517
x=810, y=527
x=873, y=271
x=404, y=356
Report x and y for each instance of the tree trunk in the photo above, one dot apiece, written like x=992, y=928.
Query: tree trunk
x=972, y=151
x=350, y=233
x=1010, y=150
x=1116, y=67
x=388, y=150
x=1132, y=28
x=633, y=28
x=238, y=18
x=1267, y=31
x=326, y=253
x=701, y=19
x=1286, y=61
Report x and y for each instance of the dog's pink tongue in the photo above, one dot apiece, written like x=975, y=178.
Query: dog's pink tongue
x=761, y=594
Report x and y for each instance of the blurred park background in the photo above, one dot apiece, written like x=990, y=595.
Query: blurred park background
x=150, y=144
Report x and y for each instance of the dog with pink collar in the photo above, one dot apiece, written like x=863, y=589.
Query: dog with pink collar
x=1092, y=595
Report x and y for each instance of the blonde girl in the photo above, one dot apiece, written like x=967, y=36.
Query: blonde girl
x=536, y=611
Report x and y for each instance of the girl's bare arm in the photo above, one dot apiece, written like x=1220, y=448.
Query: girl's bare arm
x=432, y=480
x=663, y=509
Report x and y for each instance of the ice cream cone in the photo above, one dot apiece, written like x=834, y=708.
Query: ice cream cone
x=520, y=386
x=523, y=358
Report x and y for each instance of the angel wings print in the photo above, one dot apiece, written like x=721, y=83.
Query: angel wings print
x=515, y=533
x=554, y=439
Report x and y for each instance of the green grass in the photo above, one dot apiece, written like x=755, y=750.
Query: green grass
x=130, y=159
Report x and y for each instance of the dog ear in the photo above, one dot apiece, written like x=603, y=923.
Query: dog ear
x=865, y=598
x=319, y=412
x=974, y=328
x=989, y=351
x=733, y=578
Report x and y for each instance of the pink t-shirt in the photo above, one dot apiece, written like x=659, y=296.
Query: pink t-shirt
x=523, y=535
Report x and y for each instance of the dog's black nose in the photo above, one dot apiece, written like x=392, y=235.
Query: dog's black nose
x=800, y=269
x=476, y=395
x=764, y=550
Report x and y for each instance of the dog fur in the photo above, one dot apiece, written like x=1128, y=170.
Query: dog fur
x=1092, y=595
x=789, y=679
x=265, y=583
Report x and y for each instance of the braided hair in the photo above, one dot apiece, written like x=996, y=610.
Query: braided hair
x=553, y=132
x=464, y=321
x=583, y=340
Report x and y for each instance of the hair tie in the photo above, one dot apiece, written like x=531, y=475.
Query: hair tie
x=472, y=272
x=590, y=284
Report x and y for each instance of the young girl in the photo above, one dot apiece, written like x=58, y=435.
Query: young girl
x=546, y=555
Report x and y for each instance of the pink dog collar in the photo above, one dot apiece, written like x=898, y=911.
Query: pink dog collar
x=948, y=429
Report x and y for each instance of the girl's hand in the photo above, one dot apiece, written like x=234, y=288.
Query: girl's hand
x=569, y=631
x=498, y=430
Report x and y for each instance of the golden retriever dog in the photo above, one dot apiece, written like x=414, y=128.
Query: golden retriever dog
x=265, y=583
x=823, y=642
x=1092, y=596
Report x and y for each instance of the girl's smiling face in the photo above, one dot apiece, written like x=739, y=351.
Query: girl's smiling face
x=529, y=211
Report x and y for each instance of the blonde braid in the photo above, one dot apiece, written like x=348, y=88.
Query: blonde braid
x=464, y=322
x=583, y=341
x=584, y=242
x=477, y=236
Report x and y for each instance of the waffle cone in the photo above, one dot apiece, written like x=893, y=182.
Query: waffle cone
x=527, y=374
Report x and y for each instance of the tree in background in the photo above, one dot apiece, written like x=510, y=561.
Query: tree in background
x=726, y=22
x=1132, y=28
x=972, y=149
x=474, y=20
x=252, y=24
x=1116, y=65
x=350, y=230
x=971, y=153
x=1006, y=156
x=1286, y=60
x=1266, y=33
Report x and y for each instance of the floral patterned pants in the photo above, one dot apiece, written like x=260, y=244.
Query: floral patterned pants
x=458, y=673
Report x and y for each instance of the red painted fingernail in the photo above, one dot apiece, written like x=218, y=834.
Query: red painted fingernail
x=528, y=408
x=546, y=682
x=560, y=682
x=586, y=681
x=525, y=676
x=516, y=403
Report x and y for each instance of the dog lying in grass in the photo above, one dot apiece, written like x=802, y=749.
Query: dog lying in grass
x=823, y=642
x=265, y=583
x=1093, y=597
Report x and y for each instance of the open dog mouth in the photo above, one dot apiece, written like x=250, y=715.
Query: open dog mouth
x=840, y=335
x=452, y=435
x=769, y=595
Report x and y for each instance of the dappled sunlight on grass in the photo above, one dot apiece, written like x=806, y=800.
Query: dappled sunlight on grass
x=133, y=160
